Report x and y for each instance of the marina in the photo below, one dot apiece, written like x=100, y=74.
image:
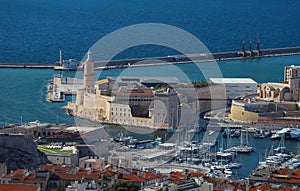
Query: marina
x=196, y=152
x=199, y=152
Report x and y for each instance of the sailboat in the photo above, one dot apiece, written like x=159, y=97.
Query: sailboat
x=281, y=146
x=242, y=148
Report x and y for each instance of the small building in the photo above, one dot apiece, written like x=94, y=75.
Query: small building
x=120, y=161
x=237, y=87
x=91, y=162
x=63, y=159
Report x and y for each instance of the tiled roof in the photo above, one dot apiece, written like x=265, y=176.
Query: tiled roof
x=16, y=173
x=278, y=121
x=22, y=176
x=19, y=187
x=79, y=176
x=56, y=168
x=149, y=176
x=264, y=187
x=132, y=178
x=195, y=174
x=177, y=176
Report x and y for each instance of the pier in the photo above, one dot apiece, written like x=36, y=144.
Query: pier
x=61, y=86
x=172, y=59
x=27, y=65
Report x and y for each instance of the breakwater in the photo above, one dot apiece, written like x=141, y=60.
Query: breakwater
x=173, y=59
x=26, y=65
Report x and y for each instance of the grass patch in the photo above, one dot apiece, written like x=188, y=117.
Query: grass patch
x=49, y=150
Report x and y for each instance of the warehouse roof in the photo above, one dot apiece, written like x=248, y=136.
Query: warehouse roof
x=232, y=81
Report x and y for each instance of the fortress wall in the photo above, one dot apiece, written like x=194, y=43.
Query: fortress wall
x=239, y=114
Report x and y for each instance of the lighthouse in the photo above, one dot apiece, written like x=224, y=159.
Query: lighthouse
x=88, y=77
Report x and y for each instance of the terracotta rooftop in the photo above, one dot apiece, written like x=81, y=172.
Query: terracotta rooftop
x=16, y=173
x=195, y=174
x=278, y=121
x=19, y=187
x=149, y=176
x=23, y=176
x=273, y=187
x=73, y=177
x=177, y=176
x=132, y=178
x=56, y=168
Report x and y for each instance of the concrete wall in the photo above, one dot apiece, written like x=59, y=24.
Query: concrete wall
x=102, y=104
x=89, y=101
x=61, y=159
x=239, y=114
x=30, y=132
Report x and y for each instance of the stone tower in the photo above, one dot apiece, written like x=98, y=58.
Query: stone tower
x=166, y=108
x=88, y=78
x=292, y=76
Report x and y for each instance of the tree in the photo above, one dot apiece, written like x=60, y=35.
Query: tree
x=123, y=185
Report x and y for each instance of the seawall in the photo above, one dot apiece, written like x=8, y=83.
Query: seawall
x=172, y=59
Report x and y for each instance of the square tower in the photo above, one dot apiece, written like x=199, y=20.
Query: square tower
x=292, y=76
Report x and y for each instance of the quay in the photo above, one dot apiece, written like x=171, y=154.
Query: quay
x=172, y=59
x=61, y=86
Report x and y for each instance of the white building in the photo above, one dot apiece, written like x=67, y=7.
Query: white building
x=237, y=87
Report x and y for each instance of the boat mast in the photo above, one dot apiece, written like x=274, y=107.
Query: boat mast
x=241, y=140
x=247, y=138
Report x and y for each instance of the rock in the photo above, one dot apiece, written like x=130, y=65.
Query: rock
x=17, y=159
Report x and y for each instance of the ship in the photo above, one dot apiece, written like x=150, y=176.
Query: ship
x=288, y=133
